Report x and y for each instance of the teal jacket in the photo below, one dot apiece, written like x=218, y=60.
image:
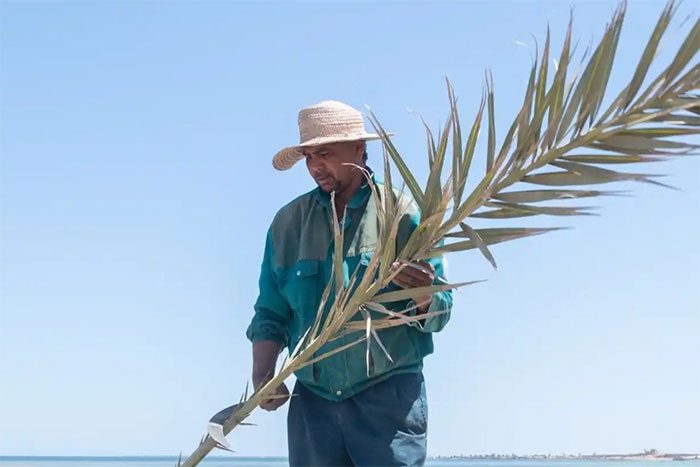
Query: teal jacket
x=296, y=266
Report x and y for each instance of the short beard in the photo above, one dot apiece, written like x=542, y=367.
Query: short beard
x=333, y=186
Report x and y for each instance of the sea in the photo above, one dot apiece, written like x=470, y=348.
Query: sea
x=152, y=461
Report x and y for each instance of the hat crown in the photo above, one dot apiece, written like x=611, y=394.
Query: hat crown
x=329, y=119
x=326, y=122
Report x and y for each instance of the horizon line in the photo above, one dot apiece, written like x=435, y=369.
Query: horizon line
x=233, y=455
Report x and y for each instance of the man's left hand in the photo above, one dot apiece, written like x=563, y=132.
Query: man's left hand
x=416, y=274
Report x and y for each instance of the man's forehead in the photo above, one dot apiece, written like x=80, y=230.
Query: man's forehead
x=323, y=147
x=320, y=147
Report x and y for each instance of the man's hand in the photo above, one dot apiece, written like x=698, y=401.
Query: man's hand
x=415, y=274
x=264, y=358
x=275, y=402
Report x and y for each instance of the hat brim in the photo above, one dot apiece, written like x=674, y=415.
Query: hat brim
x=287, y=157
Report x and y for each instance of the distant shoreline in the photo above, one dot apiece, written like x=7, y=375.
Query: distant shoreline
x=651, y=455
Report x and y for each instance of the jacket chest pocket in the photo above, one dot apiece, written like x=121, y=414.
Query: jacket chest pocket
x=302, y=285
x=302, y=292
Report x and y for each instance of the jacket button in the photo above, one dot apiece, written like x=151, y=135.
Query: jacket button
x=337, y=393
x=298, y=273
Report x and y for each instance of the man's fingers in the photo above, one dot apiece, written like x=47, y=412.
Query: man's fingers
x=277, y=399
x=420, y=266
x=404, y=279
x=272, y=404
x=397, y=280
x=421, y=273
x=418, y=277
x=280, y=402
x=410, y=284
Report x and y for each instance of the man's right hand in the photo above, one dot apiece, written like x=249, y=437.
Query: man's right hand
x=274, y=403
x=264, y=358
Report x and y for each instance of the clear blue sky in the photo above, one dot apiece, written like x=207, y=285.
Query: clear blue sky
x=136, y=189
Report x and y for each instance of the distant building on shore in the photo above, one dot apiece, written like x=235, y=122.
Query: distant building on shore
x=648, y=454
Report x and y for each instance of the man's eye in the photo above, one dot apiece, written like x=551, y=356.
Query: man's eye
x=317, y=154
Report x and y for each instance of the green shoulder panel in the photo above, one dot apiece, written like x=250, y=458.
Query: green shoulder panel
x=303, y=218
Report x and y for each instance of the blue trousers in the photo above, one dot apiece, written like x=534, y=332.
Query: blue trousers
x=384, y=425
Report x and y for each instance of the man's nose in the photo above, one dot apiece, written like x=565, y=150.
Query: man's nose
x=315, y=165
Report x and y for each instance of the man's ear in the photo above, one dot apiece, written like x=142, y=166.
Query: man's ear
x=360, y=148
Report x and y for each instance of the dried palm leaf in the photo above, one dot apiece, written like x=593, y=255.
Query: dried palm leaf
x=555, y=128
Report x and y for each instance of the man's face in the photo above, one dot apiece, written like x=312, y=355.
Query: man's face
x=326, y=164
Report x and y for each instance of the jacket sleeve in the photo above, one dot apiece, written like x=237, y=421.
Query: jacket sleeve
x=442, y=301
x=272, y=311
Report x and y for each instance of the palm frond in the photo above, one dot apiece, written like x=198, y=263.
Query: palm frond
x=558, y=138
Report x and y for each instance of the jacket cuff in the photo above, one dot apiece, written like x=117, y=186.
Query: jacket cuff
x=432, y=323
x=267, y=330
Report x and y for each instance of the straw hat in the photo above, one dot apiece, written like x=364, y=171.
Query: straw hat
x=324, y=123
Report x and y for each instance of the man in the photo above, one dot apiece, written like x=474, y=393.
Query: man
x=344, y=411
